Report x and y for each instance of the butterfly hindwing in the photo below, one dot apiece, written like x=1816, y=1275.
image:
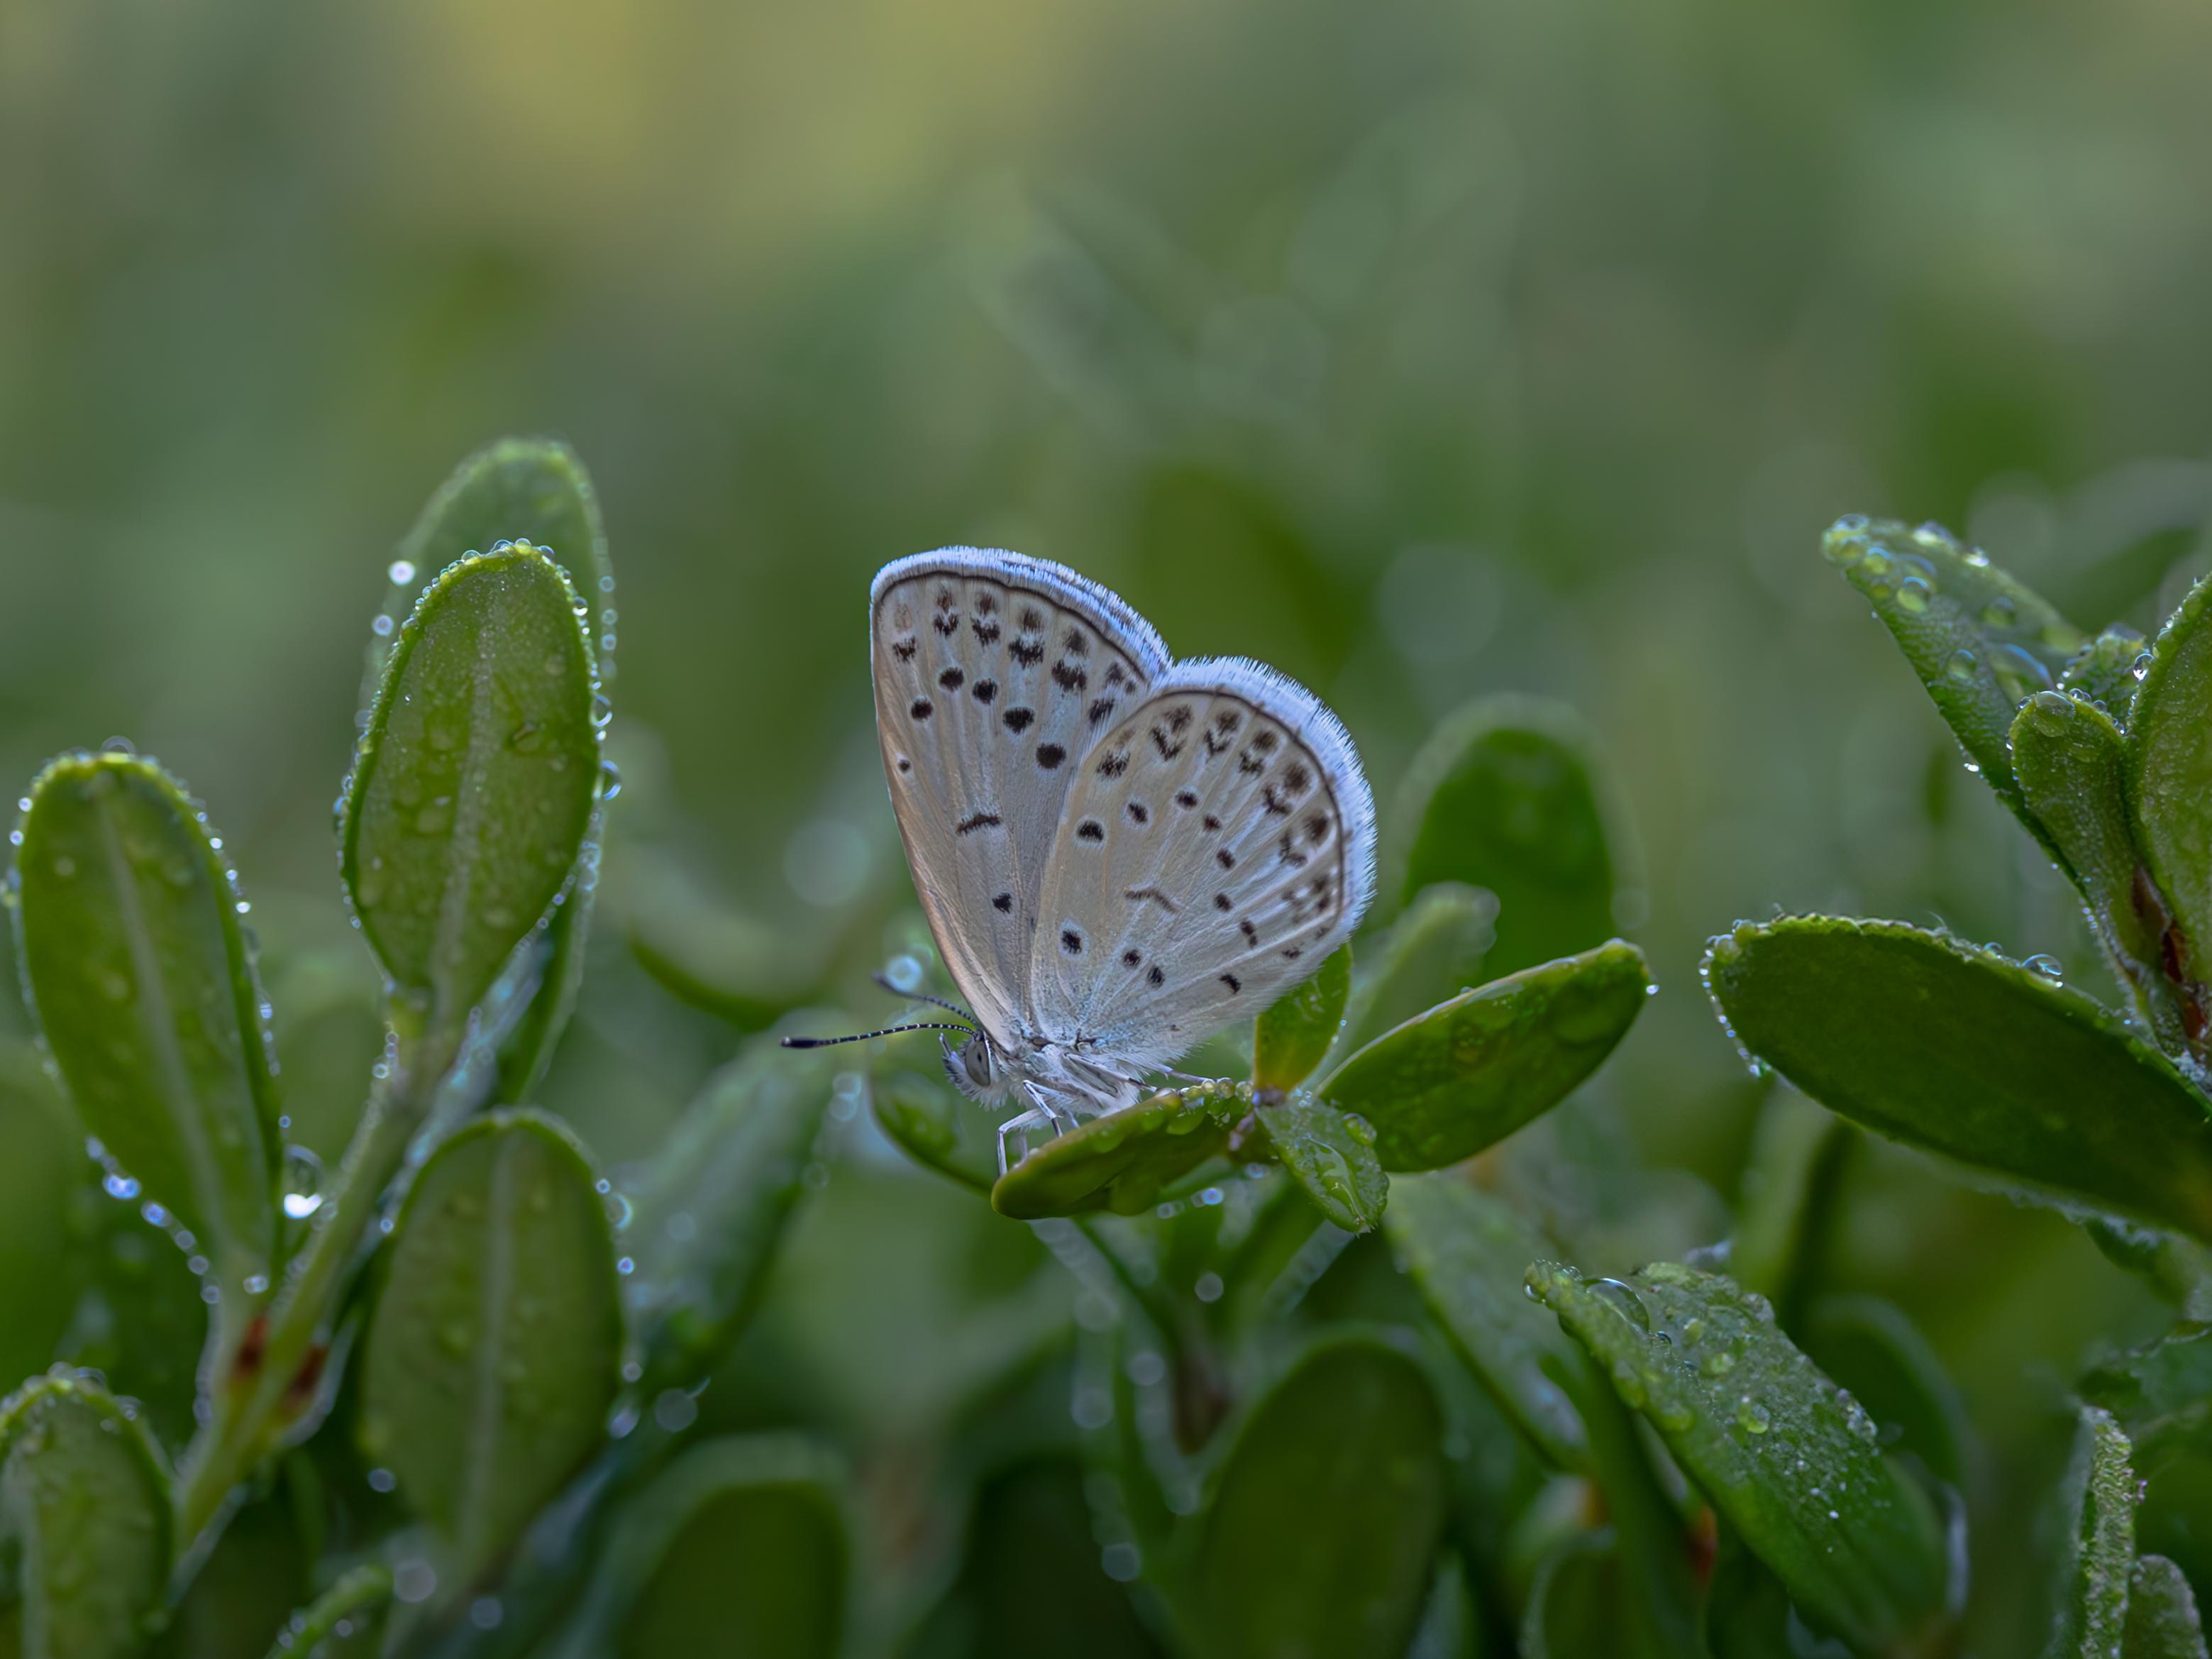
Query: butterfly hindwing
x=993, y=673
x=1216, y=843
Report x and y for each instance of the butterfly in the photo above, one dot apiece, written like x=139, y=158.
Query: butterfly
x=1118, y=853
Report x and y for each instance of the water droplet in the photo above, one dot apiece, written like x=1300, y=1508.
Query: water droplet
x=1622, y=1299
x=1209, y=1287
x=1960, y=668
x=486, y=1612
x=1752, y=1417
x=414, y=1580
x=610, y=780
x=401, y=572
x=904, y=973
x=1913, y=595
x=303, y=1182
x=1876, y=563
x=2019, y=670
x=118, y=1185
x=380, y=625
x=64, y=865
x=2046, y=967
x=2001, y=613
x=1359, y=1129
x=603, y=708
x=1719, y=1363
x=118, y=747
x=2141, y=667
x=256, y=1284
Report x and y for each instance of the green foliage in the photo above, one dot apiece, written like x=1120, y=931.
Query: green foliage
x=1788, y=1458
x=2162, y=1616
x=1510, y=796
x=1325, y=1512
x=1295, y=1036
x=84, y=1523
x=477, y=780
x=1473, y=1070
x=491, y=1360
x=1977, y=1057
x=135, y=963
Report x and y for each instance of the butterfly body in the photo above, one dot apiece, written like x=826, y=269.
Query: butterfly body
x=1118, y=853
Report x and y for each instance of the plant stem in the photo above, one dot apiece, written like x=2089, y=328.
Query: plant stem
x=248, y=1412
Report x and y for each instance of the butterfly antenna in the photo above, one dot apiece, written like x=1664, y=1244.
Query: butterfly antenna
x=883, y=979
x=863, y=1036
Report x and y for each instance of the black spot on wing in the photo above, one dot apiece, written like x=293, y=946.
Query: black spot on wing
x=1050, y=755
x=1090, y=829
x=952, y=680
x=1071, y=941
x=922, y=708
x=1018, y=720
x=976, y=821
x=985, y=691
x=1004, y=903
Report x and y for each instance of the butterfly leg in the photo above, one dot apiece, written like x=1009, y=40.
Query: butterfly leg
x=1021, y=1126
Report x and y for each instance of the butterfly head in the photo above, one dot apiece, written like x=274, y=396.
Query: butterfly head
x=976, y=1069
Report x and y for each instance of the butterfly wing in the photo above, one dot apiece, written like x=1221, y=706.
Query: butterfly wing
x=1217, y=844
x=993, y=674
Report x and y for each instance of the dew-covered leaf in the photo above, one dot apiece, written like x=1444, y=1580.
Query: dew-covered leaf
x=137, y=962
x=493, y=1351
x=1331, y=1156
x=477, y=781
x=739, y=1546
x=1468, y=1252
x=1323, y=1519
x=346, y=1611
x=1787, y=1459
x=711, y=1207
x=84, y=1523
x=2169, y=791
x=2104, y=672
x=2098, y=1507
x=1929, y=1041
x=533, y=490
x=1510, y=794
x=1473, y=1070
x=2162, y=1616
x=1978, y=641
x=1121, y=1161
x=1434, y=951
x=2070, y=762
x=1292, y=1037
x=936, y=1126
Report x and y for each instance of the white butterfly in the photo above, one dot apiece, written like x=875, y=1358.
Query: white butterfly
x=1119, y=854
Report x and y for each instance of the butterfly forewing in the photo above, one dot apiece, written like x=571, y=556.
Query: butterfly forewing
x=994, y=674
x=1217, y=843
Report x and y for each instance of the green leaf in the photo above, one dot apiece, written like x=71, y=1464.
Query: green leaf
x=1294, y=1035
x=1979, y=640
x=1434, y=951
x=1331, y=1156
x=1582, y=1605
x=1322, y=1527
x=938, y=1127
x=1120, y=1161
x=2169, y=792
x=1787, y=1458
x=2104, y=671
x=492, y=1355
x=349, y=1606
x=1510, y=794
x=739, y=1547
x=1797, y=1147
x=1869, y=1347
x=533, y=490
x=1926, y=1040
x=2162, y=1616
x=1468, y=1254
x=137, y=964
x=84, y=1523
x=712, y=1208
x=477, y=781
x=2070, y=762
x=2100, y=1503
x=2160, y=1394
x=1473, y=1070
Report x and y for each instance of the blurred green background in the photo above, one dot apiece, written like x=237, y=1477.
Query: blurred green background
x=1422, y=350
